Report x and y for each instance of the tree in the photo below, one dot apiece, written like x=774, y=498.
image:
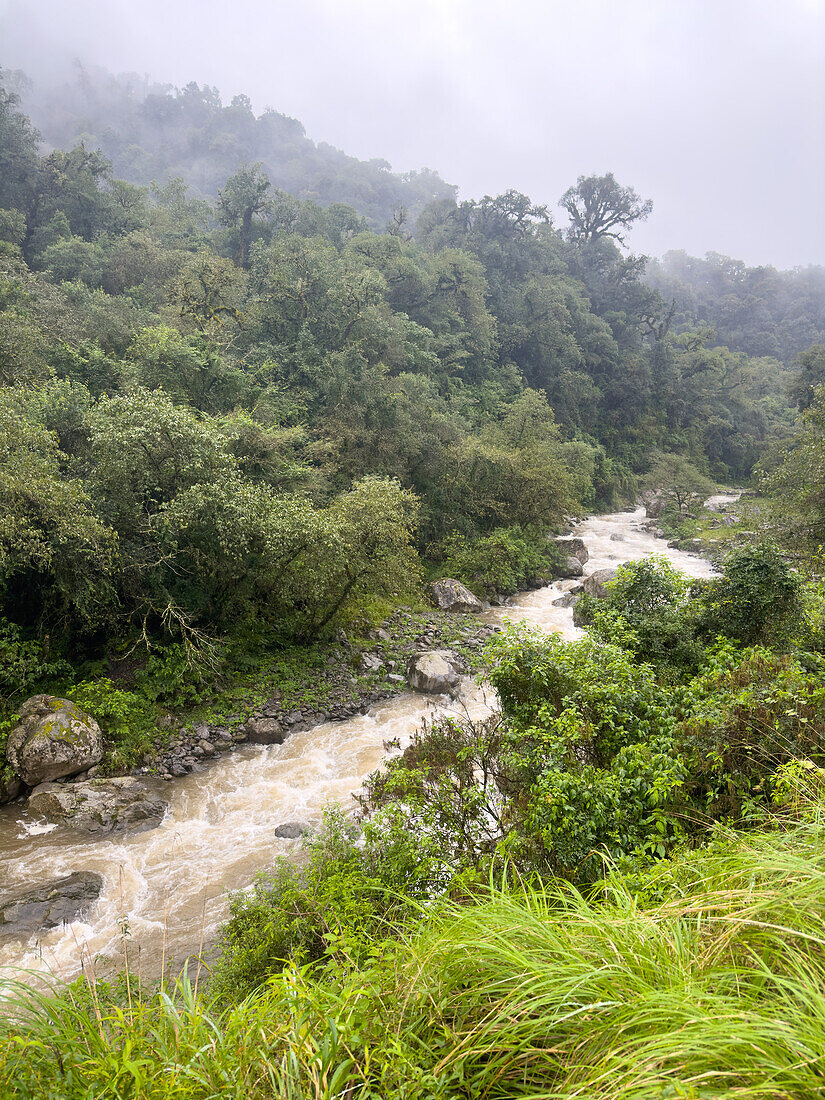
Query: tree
x=679, y=479
x=599, y=207
x=243, y=196
x=811, y=364
x=56, y=557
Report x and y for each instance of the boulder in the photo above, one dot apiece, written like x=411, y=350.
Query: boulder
x=264, y=731
x=433, y=671
x=568, y=600
x=54, y=738
x=654, y=501
x=291, y=830
x=33, y=909
x=99, y=805
x=574, y=548
x=451, y=595
x=10, y=787
x=594, y=585
x=571, y=568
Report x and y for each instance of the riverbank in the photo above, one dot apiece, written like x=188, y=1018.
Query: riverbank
x=304, y=687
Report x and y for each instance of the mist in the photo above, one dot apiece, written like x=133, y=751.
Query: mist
x=715, y=111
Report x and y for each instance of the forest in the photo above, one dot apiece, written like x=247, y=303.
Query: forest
x=254, y=395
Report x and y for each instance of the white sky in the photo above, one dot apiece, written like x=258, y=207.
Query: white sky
x=715, y=109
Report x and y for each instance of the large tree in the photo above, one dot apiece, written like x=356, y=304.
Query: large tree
x=600, y=207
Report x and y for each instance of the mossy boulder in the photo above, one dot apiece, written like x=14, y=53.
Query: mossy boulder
x=54, y=738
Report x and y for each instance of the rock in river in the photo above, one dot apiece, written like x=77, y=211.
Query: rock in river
x=98, y=805
x=595, y=584
x=10, y=787
x=433, y=671
x=264, y=731
x=29, y=910
x=570, y=568
x=53, y=738
x=451, y=595
x=33, y=909
x=575, y=548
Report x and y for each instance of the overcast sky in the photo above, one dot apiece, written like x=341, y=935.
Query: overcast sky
x=715, y=109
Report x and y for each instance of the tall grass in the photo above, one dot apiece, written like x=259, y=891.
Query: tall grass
x=716, y=991
x=705, y=979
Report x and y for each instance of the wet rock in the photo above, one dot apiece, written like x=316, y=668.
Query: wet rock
x=206, y=747
x=99, y=805
x=617, y=536
x=10, y=788
x=29, y=910
x=291, y=830
x=433, y=672
x=570, y=568
x=570, y=599
x=178, y=770
x=370, y=662
x=451, y=595
x=654, y=501
x=594, y=585
x=575, y=548
x=264, y=731
x=54, y=738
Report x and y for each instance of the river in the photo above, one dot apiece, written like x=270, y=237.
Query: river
x=219, y=828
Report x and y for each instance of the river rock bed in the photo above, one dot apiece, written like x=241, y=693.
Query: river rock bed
x=356, y=677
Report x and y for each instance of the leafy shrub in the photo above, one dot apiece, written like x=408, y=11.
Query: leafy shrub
x=355, y=885
x=179, y=675
x=506, y=560
x=755, y=599
x=647, y=610
x=126, y=720
x=592, y=766
x=747, y=714
x=25, y=665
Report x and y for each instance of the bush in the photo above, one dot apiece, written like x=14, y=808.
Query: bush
x=755, y=599
x=126, y=721
x=355, y=886
x=746, y=715
x=503, y=562
x=647, y=610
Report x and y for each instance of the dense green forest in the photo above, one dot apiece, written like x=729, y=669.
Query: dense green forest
x=254, y=392
x=260, y=407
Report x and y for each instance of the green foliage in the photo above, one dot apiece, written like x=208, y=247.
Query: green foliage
x=505, y=561
x=648, y=611
x=746, y=715
x=24, y=666
x=755, y=600
x=126, y=720
x=352, y=888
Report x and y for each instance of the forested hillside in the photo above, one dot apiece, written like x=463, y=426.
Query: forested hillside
x=253, y=392
x=260, y=407
x=154, y=132
x=757, y=310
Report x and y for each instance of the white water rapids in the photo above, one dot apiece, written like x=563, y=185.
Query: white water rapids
x=219, y=828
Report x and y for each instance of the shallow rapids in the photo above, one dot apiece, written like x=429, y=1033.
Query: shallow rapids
x=219, y=829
